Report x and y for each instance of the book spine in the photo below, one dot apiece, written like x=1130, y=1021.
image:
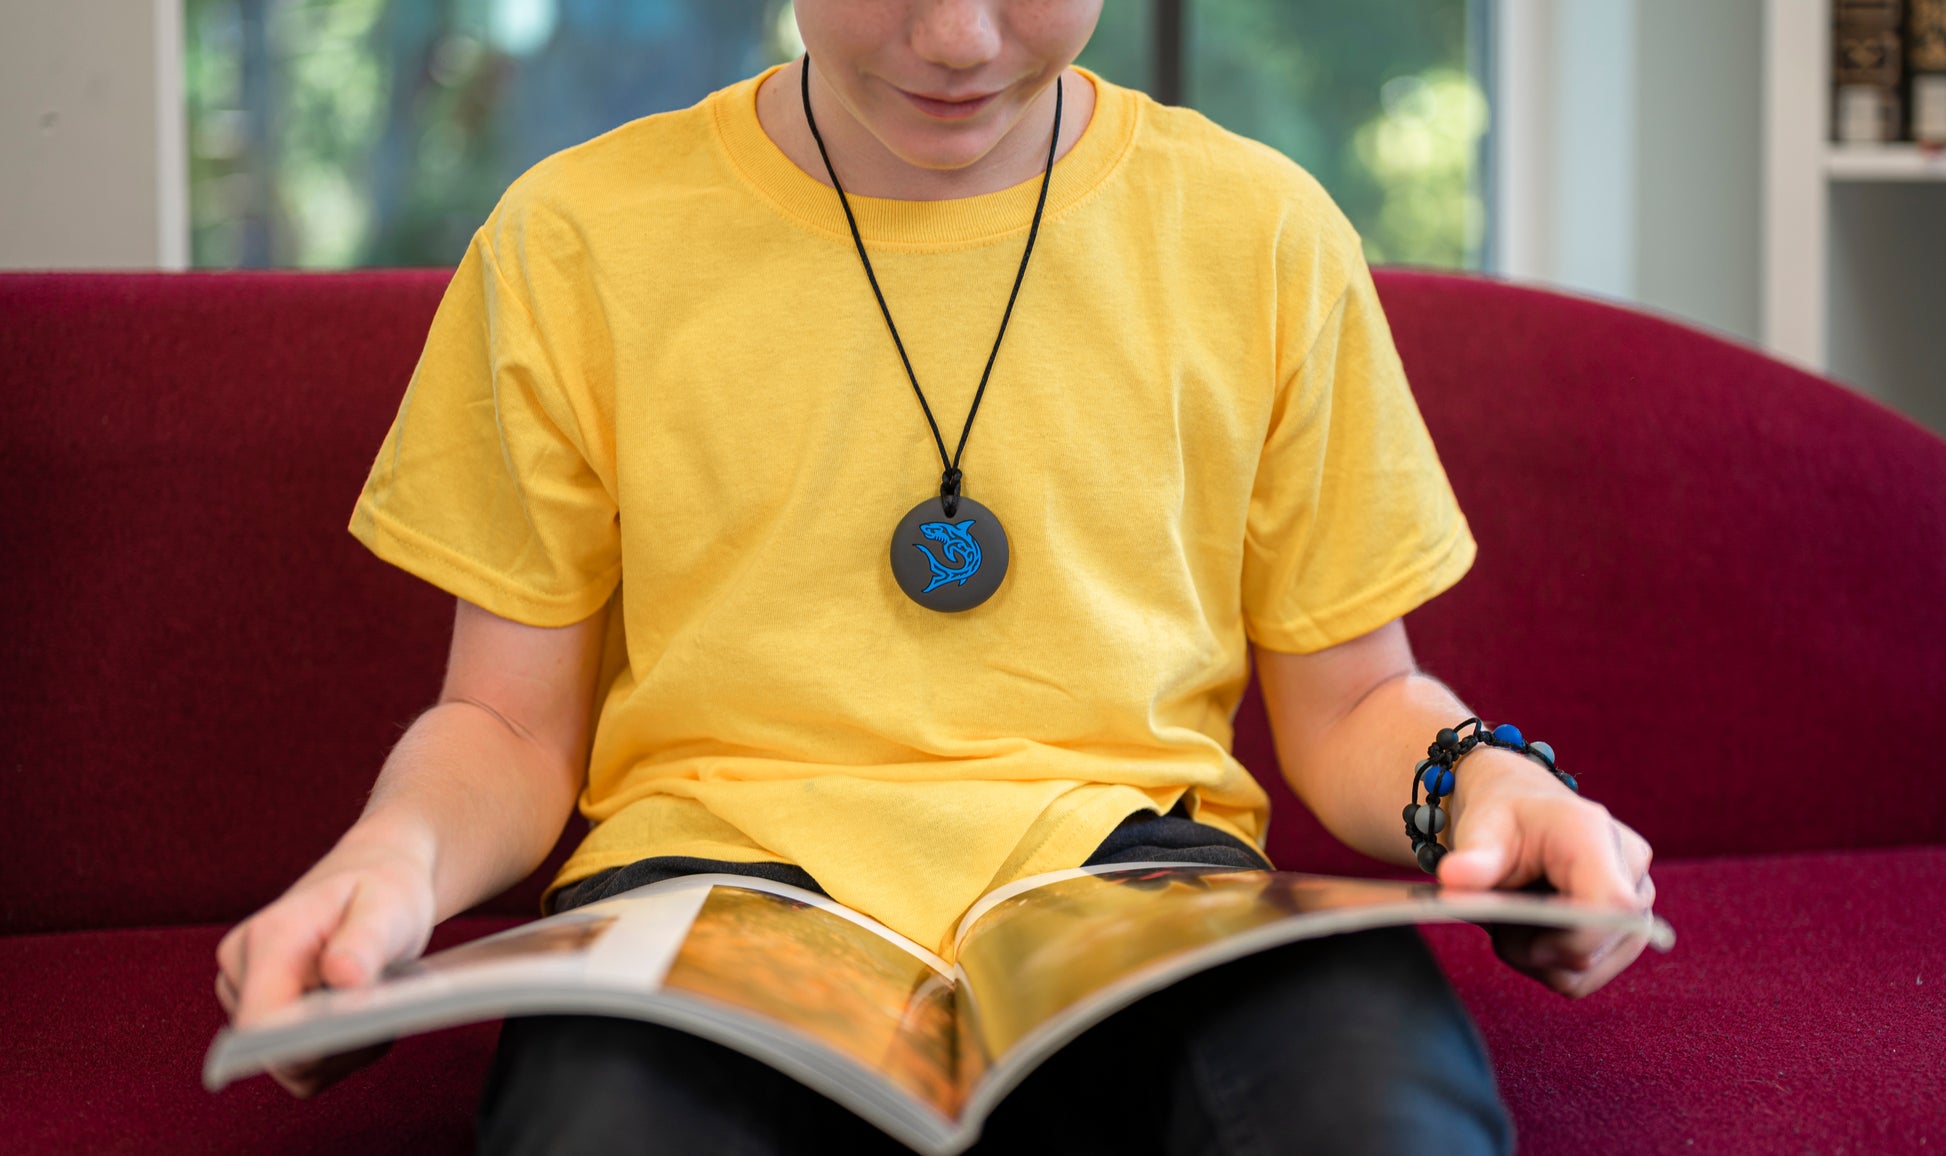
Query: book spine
x=1867, y=70
x=1925, y=55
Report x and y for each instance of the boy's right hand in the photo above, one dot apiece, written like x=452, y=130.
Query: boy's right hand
x=479, y=786
x=367, y=904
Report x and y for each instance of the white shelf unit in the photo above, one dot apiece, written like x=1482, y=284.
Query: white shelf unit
x=1892, y=162
x=1854, y=236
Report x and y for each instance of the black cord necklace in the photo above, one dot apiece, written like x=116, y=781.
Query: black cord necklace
x=972, y=550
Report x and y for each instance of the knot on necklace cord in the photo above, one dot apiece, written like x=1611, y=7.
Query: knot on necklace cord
x=949, y=490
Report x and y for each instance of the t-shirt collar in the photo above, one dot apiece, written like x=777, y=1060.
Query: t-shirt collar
x=922, y=224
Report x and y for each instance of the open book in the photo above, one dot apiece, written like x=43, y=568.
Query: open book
x=920, y=1048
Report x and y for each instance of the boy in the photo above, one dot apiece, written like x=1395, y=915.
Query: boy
x=653, y=447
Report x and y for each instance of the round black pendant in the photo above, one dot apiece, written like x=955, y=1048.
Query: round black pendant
x=949, y=563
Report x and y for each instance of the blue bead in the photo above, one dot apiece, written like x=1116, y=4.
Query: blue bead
x=1508, y=733
x=1438, y=780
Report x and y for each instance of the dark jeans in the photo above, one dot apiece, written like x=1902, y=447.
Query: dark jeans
x=1348, y=1044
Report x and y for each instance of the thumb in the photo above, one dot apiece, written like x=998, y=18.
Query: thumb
x=369, y=936
x=1482, y=850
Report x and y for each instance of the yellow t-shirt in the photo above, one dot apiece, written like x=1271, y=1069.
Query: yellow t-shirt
x=659, y=383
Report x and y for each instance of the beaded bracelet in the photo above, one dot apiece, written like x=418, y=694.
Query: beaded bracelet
x=1423, y=823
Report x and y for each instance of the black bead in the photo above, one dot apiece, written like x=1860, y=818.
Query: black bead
x=1411, y=810
x=1447, y=737
x=1429, y=856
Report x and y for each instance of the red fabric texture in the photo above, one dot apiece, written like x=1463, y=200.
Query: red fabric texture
x=1710, y=581
x=1689, y=553
x=120, y=1068
x=205, y=669
x=1799, y=1012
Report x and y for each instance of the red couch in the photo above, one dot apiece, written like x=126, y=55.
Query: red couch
x=1715, y=584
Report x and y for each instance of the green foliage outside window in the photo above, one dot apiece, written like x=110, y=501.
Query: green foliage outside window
x=1373, y=97
x=334, y=133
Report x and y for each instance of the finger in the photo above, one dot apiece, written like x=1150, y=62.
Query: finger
x=1545, y=962
x=1614, y=963
x=295, y=1080
x=1636, y=855
x=226, y=994
x=373, y=932
x=1574, y=949
x=1531, y=949
x=280, y=954
x=1535, y=950
x=280, y=964
x=229, y=954
x=1483, y=851
x=227, y=948
x=1639, y=854
x=1586, y=858
x=1617, y=879
x=310, y=1077
x=1514, y=943
x=1578, y=983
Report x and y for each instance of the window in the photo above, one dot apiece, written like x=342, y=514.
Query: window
x=335, y=133
x=1376, y=98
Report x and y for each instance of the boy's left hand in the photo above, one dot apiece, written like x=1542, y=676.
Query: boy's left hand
x=1517, y=825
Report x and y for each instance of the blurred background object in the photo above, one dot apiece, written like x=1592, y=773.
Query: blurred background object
x=1738, y=164
x=333, y=133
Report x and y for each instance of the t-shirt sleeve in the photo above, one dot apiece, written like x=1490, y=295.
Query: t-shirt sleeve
x=495, y=483
x=1352, y=522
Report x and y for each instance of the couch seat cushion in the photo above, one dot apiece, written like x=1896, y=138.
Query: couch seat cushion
x=105, y=1033
x=1800, y=1011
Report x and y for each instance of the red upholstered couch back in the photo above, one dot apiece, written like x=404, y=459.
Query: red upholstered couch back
x=1713, y=583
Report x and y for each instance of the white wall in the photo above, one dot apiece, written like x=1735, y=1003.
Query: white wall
x=1699, y=161
x=1887, y=254
x=92, y=165
x=1597, y=240
x=1630, y=152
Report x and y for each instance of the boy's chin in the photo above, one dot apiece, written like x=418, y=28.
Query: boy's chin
x=944, y=147
x=950, y=150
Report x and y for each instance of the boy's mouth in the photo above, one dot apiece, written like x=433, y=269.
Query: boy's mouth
x=948, y=108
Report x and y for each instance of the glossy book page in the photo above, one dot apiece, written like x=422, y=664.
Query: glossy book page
x=839, y=1002
x=826, y=995
x=1043, y=960
x=810, y=971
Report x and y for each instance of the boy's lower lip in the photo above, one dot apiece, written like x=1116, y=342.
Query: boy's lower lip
x=948, y=109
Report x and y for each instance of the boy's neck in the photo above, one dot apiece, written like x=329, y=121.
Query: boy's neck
x=869, y=169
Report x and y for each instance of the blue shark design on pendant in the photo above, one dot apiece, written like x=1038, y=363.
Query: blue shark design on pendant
x=949, y=562
x=961, y=549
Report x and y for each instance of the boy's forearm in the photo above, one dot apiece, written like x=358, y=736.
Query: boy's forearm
x=1357, y=776
x=478, y=803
